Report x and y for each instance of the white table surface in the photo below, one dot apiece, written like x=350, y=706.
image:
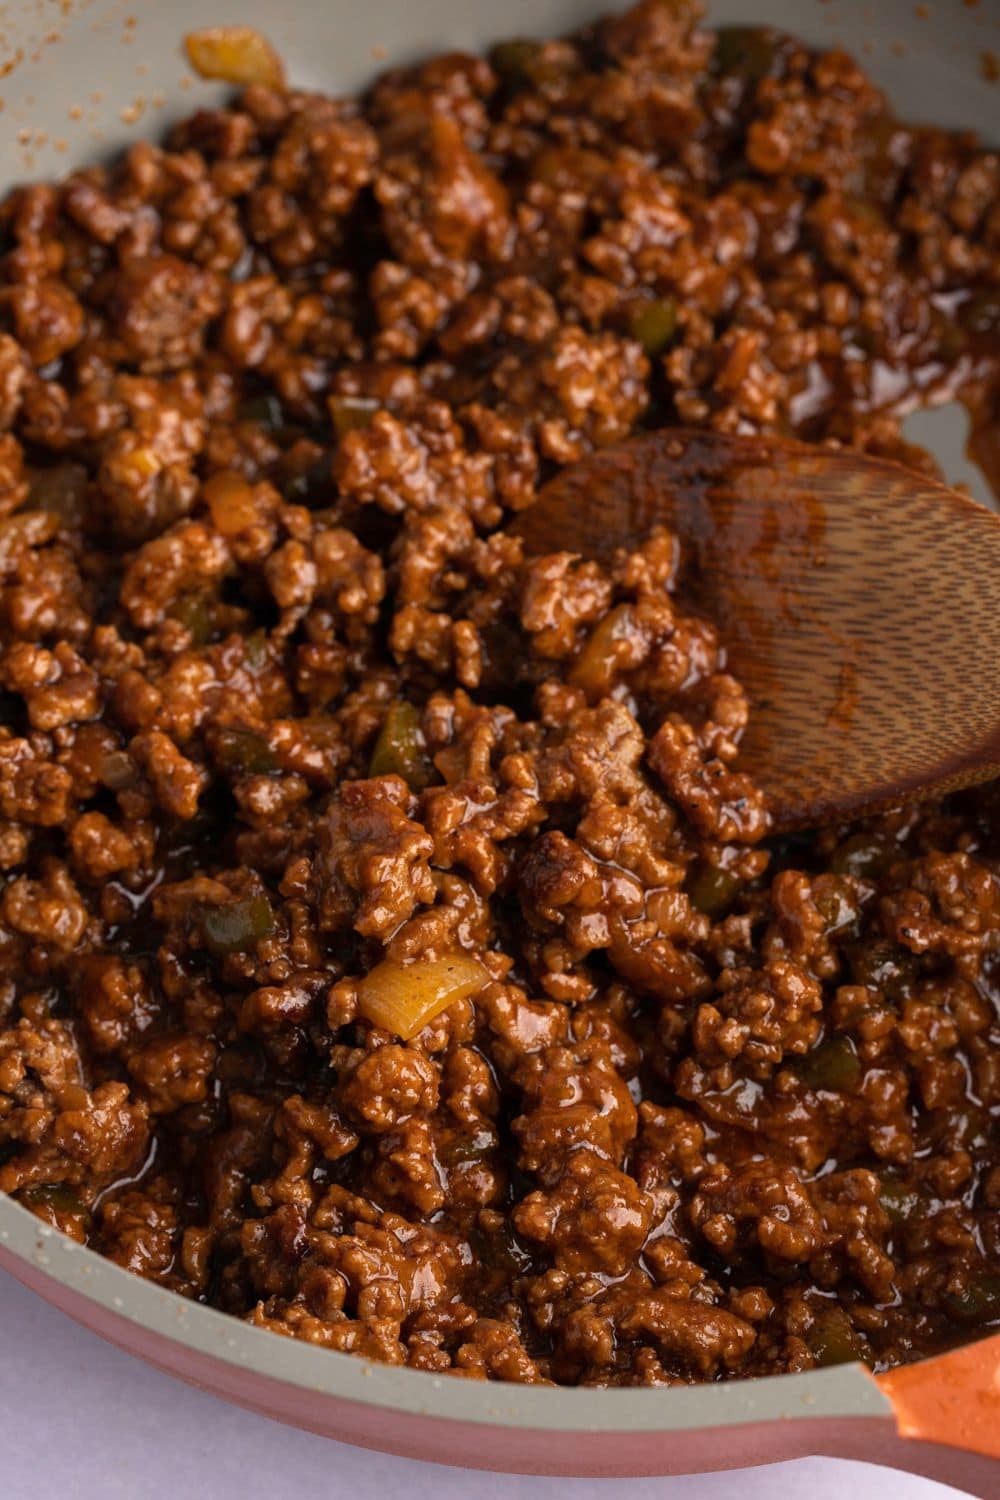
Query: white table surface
x=82, y=1421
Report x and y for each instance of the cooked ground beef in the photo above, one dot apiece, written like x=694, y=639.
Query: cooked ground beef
x=392, y=952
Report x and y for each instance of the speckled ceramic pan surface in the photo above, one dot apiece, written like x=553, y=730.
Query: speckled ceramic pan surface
x=82, y=77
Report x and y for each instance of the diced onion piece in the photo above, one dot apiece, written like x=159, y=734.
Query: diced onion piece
x=232, y=503
x=236, y=54
x=614, y=646
x=403, y=998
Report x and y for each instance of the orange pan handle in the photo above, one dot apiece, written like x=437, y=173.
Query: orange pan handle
x=953, y=1399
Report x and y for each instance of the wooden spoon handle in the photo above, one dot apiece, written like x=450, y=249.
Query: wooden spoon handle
x=953, y=1399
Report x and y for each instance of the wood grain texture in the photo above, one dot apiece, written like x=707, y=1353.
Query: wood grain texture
x=858, y=602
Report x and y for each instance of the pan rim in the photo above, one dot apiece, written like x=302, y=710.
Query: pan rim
x=844, y=1391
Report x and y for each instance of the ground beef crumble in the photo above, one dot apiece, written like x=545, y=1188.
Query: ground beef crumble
x=284, y=706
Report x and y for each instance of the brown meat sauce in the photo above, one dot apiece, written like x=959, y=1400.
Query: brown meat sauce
x=283, y=705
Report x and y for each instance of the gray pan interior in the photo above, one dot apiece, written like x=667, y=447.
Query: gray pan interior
x=86, y=77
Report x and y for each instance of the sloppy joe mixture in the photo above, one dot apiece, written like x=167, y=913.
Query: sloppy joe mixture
x=392, y=952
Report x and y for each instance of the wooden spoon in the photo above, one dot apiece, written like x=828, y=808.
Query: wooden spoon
x=859, y=603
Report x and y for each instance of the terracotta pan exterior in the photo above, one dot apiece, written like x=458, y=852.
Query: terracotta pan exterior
x=79, y=90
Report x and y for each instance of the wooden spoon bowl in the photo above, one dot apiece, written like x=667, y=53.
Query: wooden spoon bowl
x=859, y=603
